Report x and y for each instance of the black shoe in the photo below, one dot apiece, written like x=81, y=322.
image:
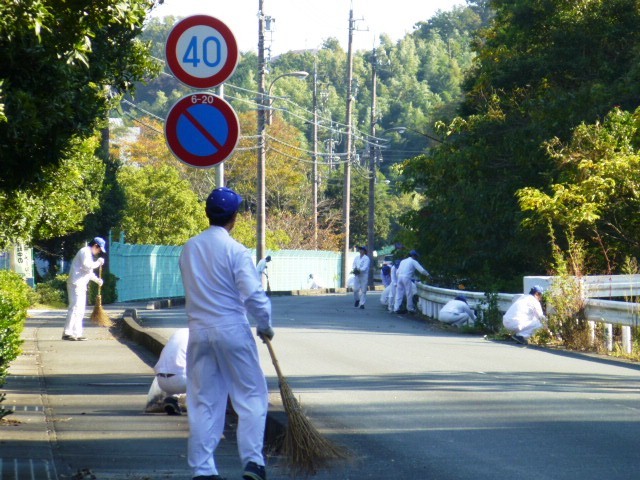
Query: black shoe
x=171, y=406
x=520, y=339
x=357, y=303
x=253, y=471
x=69, y=337
x=361, y=307
x=401, y=312
x=209, y=477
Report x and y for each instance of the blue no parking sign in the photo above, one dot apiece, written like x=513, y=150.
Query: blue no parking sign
x=202, y=130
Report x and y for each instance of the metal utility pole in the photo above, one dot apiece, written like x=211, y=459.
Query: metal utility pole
x=262, y=153
x=220, y=166
x=315, y=154
x=372, y=166
x=346, y=199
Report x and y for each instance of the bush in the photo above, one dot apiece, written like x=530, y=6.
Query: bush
x=489, y=317
x=53, y=292
x=14, y=302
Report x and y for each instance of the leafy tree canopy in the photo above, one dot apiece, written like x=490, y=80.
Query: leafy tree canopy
x=57, y=62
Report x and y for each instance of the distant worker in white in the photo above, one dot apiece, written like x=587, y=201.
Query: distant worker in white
x=171, y=370
x=80, y=274
x=525, y=316
x=262, y=265
x=361, y=277
x=221, y=286
x=405, y=272
x=457, y=312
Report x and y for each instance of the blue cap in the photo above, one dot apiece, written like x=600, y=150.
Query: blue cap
x=462, y=298
x=222, y=202
x=362, y=247
x=536, y=289
x=101, y=243
x=413, y=253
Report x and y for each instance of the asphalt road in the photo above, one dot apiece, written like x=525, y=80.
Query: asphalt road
x=411, y=400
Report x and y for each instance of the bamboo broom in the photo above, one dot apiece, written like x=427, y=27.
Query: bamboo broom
x=304, y=448
x=99, y=316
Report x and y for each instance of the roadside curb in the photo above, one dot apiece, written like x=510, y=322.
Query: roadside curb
x=277, y=420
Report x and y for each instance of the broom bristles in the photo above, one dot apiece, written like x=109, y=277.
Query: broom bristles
x=99, y=316
x=304, y=448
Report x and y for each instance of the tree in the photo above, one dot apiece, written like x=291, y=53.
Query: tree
x=597, y=196
x=161, y=208
x=542, y=68
x=59, y=64
x=57, y=60
x=58, y=204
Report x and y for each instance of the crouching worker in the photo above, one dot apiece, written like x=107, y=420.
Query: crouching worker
x=457, y=312
x=169, y=386
x=525, y=316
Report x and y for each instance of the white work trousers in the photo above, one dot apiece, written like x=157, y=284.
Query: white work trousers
x=224, y=361
x=524, y=328
x=404, y=288
x=174, y=385
x=392, y=296
x=77, y=304
x=360, y=285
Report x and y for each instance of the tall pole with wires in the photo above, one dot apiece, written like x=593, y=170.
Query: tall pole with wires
x=314, y=173
x=346, y=197
x=262, y=153
x=372, y=166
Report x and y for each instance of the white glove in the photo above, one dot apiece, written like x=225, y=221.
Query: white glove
x=100, y=261
x=100, y=282
x=265, y=333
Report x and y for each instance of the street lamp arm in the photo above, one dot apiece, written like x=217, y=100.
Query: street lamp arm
x=401, y=130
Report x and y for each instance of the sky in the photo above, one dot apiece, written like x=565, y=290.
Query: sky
x=304, y=24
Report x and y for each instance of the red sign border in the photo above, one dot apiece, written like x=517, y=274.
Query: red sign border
x=171, y=131
x=174, y=64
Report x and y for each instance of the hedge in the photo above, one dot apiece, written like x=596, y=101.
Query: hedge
x=14, y=302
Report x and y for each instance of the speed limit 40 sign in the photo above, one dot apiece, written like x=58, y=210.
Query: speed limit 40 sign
x=201, y=51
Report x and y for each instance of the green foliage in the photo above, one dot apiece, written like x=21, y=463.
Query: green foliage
x=59, y=203
x=566, y=300
x=14, y=301
x=597, y=193
x=543, y=68
x=53, y=292
x=161, y=208
x=56, y=60
x=489, y=316
x=108, y=290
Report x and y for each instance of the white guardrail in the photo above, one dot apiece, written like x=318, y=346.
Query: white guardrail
x=625, y=314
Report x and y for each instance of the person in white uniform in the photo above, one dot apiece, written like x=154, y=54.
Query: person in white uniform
x=404, y=288
x=457, y=312
x=80, y=274
x=221, y=286
x=525, y=316
x=171, y=370
x=262, y=265
x=361, y=277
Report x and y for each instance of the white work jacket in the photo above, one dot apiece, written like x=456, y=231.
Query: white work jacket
x=82, y=268
x=408, y=267
x=221, y=284
x=361, y=262
x=173, y=358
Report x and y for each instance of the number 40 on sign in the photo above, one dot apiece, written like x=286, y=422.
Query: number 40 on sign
x=201, y=51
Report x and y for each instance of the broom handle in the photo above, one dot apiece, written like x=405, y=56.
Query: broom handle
x=274, y=360
x=100, y=276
